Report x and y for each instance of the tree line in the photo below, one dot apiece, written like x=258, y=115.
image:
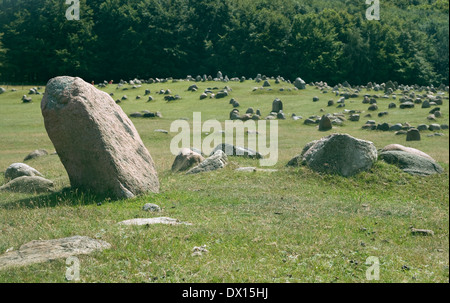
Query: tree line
x=318, y=40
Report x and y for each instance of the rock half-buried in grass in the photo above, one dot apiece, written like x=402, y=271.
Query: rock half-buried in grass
x=411, y=163
x=340, y=154
x=28, y=184
x=96, y=141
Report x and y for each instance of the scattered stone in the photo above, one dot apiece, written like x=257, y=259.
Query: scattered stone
x=325, y=124
x=28, y=184
x=35, y=154
x=396, y=127
x=234, y=114
x=217, y=161
x=383, y=127
x=434, y=127
x=39, y=251
x=373, y=107
x=161, y=131
x=426, y=104
x=16, y=170
x=105, y=154
x=406, y=105
x=299, y=83
x=392, y=105
x=151, y=207
x=431, y=117
x=186, y=159
x=199, y=250
x=413, y=134
x=26, y=99
x=434, y=110
x=422, y=232
x=422, y=127
x=231, y=150
x=277, y=105
x=354, y=117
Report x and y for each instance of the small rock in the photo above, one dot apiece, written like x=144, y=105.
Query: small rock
x=151, y=207
x=422, y=232
x=35, y=154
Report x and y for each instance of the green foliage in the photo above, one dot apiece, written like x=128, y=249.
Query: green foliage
x=318, y=40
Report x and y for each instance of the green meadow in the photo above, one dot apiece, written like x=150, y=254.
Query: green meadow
x=292, y=225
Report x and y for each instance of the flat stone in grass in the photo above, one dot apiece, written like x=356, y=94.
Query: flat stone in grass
x=150, y=221
x=340, y=154
x=16, y=170
x=254, y=169
x=28, y=184
x=39, y=251
x=411, y=163
x=96, y=141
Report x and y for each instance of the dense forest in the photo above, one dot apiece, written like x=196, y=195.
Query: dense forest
x=318, y=40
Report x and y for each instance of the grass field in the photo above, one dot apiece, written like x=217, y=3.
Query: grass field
x=293, y=225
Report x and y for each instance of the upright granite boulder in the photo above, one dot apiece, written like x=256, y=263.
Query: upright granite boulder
x=96, y=141
x=340, y=154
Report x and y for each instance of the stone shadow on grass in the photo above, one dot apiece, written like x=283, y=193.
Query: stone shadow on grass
x=67, y=196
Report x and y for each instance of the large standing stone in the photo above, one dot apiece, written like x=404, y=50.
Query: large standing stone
x=341, y=154
x=96, y=141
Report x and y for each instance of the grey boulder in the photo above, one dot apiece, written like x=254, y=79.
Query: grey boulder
x=340, y=154
x=411, y=163
x=16, y=170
